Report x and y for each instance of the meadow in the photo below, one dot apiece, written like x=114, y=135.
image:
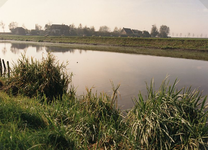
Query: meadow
x=37, y=111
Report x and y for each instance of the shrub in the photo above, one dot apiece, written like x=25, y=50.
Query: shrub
x=44, y=78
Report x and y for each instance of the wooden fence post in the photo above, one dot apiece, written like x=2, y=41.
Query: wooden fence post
x=0, y=68
x=4, y=66
x=8, y=68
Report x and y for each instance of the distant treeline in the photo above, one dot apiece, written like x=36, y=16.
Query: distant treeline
x=71, y=30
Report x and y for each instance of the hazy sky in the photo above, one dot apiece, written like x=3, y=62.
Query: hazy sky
x=182, y=16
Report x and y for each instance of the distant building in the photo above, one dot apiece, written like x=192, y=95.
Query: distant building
x=137, y=33
x=131, y=32
x=37, y=32
x=56, y=29
x=126, y=32
x=18, y=31
x=34, y=32
x=145, y=34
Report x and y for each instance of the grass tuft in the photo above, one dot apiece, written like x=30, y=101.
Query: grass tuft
x=44, y=78
x=169, y=119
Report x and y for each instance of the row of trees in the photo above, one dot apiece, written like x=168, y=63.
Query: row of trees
x=81, y=31
x=71, y=30
x=163, y=31
x=189, y=35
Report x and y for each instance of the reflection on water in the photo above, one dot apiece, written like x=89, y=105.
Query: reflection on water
x=4, y=50
x=17, y=47
x=56, y=49
x=97, y=69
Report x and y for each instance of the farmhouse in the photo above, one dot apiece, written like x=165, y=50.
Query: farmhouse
x=131, y=32
x=126, y=32
x=57, y=29
x=18, y=31
x=137, y=32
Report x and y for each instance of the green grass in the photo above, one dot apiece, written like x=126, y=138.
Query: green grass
x=90, y=122
x=167, y=119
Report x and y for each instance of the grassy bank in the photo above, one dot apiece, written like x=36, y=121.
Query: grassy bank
x=171, y=47
x=36, y=112
x=165, y=120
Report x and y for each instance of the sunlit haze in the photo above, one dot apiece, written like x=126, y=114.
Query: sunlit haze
x=182, y=16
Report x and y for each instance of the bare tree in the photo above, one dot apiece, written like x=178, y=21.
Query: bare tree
x=80, y=26
x=154, y=31
x=48, y=26
x=117, y=31
x=38, y=27
x=104, y=29
x=80, y=30
x=164, y=31
x=72, y=30
x=2, y=25
x=13, y=25
x=92, y=29
x=23, y=25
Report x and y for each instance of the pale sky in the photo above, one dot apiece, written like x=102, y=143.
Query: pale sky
x=182, y=16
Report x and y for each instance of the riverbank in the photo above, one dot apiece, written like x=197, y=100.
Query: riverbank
x=171, y=47
x=95, y=122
